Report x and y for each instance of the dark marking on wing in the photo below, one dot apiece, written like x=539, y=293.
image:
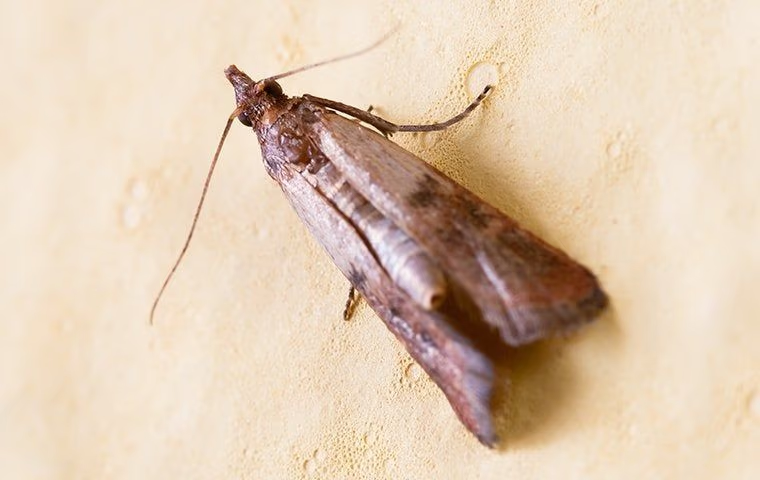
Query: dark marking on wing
x=478, y=216
x=427, y=340
x=426, y=194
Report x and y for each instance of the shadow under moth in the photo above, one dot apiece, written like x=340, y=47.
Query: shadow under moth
x=450, y=275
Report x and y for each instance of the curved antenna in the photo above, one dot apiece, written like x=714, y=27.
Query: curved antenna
x=168, y=278
x=335, y=59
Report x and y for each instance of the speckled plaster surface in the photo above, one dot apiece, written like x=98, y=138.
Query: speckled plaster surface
x=624, y=132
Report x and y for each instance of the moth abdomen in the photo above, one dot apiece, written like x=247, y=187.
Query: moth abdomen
x=403, y=259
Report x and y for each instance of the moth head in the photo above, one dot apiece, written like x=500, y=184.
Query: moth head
x=251, y=96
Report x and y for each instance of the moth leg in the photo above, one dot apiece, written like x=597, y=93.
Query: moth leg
x=385, y=134
x=387, y=128
x=384, y=126
x=351, y=302
x=451, y=121
x=369, y=110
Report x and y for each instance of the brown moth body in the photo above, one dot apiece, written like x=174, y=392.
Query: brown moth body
x=447, y=272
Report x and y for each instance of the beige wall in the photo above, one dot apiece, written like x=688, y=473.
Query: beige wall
x=627, y=133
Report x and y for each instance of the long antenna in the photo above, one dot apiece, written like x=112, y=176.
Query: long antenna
x=335, y=59
x=197, y=211
x=219, y=149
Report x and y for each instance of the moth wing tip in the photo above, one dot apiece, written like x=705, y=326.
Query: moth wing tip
x=489, y=439
x=480, y=383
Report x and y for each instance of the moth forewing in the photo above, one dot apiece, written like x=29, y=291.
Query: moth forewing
x=523, y=287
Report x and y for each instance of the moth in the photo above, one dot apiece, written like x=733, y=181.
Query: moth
x=450, y=275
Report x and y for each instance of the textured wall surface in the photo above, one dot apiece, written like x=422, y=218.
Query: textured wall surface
x=624, y=132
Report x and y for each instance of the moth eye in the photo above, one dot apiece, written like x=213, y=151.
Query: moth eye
x=273, y=88
x=245, y=120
